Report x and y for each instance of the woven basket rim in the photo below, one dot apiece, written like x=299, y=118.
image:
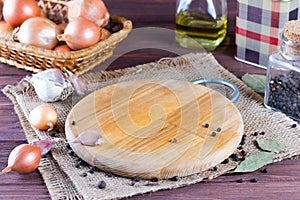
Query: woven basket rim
x=100, y=46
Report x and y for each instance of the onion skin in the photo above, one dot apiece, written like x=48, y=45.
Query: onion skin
x=94, y=10
x=40, y=32
x=15, y=12
x=5, y=30
x=23, y=159
x=80, y=33
x=43, y=117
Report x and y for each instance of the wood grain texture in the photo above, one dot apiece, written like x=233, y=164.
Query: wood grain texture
x=138, y=119
x=281, y=182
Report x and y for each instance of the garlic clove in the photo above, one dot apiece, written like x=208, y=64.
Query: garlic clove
x=88, y=138
x=45, y=145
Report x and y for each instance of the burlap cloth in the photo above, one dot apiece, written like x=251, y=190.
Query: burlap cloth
x=65, y=181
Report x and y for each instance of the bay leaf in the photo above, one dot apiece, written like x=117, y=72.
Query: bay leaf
x=255, y=81
x=255, y=161
x=270, y=145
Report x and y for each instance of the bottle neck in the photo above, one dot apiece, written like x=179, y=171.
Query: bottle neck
x=290, y=50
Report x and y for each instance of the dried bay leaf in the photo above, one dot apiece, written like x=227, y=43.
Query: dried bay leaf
x=270, y=145
x=255, y=81
x=255, y=161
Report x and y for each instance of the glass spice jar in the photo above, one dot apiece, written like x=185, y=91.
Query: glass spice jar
x=283, y=78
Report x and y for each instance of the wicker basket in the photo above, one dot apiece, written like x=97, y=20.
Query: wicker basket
x=36, y=59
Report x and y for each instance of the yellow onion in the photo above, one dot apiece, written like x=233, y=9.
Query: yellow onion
x=5, y=30
x=80, y=33
x=40, y=32
x=94, y=10
x=43, y=117
x=15, y=12
x=23, y=159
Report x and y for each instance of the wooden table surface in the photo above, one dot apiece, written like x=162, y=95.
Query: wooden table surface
x=281, y=182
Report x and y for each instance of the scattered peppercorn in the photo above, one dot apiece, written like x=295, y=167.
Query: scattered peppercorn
x=294, y=125
x=255, y=133
x=154, y=180
x=175, y=178
x=253, y=180
x=108, y=174
x=77, y=165
x=71, y=153
x=235, y=157
x=52, y=134
x=68, y=146
x=73, y=122
x=137, y=179
x=91, y=170
x=264, y=171
x=84, y=174
x=243, y=153
x=215, y=168
x=213, y=134
x=240, y=180
x=219, y=129
x=174, y=140
x=101, y=185
x=206, y=125
x=262, y=133
x=226, y=161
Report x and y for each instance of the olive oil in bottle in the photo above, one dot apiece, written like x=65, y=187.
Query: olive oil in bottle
x=205, y=29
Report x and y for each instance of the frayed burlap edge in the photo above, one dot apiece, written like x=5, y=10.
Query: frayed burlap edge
x=67, y=183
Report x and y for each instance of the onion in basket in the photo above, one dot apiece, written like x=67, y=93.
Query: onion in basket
x=15, y=12
x=5, y=30
x=80, y=33
x=94, y=10
x=40, y=32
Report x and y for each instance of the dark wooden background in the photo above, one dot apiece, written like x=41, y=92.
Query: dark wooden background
x=281, y=182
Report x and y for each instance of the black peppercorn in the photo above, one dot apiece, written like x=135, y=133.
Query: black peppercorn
x=137, y=179
x=109, y=174
x=253, y=180
x=175, y=178
x=294, y=125
x=240, y=180
x=226, y=161
x=264, y=171
x=235, y=157
x=215, y=168
x=173, y=140
x=206, y=125
x=71, y=153
x=262, y=133
x=219, y=129
x=73, y=122
x=84, y=174
x=255, y=133
x=101, y=185
x=154, y=180
x=213, y=134
x=68, y=146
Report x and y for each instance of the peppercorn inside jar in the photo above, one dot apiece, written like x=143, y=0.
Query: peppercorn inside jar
x=283, y=73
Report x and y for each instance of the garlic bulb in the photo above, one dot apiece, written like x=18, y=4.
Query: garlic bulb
x=51, y=85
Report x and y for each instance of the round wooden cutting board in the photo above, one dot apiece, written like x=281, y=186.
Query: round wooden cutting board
x=154, y=128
